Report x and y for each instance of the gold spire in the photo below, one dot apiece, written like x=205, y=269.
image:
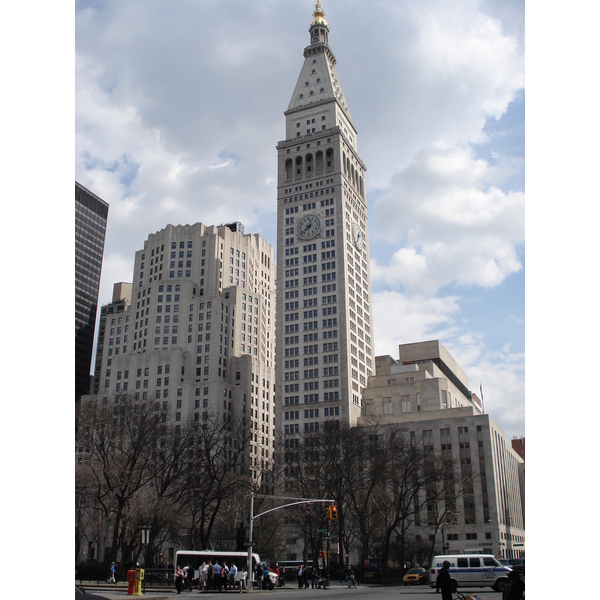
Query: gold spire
x=319, y=15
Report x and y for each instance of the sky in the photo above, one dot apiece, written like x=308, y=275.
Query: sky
x=179, y=107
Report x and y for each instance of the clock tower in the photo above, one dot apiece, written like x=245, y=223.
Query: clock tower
x=325, y=346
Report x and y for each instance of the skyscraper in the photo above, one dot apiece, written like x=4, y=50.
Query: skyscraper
x=325, y=340
x=91, y=214
x=198, y=338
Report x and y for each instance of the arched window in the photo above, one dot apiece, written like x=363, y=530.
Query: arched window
x=288, y=169
x=319, y=161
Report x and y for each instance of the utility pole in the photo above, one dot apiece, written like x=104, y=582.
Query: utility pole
x=253, y=516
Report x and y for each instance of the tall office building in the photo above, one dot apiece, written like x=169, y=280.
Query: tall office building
x=324, y=310
x=91, y=214
x=112, y=316
x=198, y=337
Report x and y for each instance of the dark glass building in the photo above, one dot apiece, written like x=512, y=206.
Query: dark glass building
x=91, y=214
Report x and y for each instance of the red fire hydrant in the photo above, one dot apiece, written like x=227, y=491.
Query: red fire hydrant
x=131, y=582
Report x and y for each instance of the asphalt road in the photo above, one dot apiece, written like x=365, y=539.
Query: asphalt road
x=290, y=592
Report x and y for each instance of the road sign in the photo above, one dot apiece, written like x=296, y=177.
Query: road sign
x=308, y=510
x=326, y=537
x=249, y=544
x=144, y=526
x=321, y=530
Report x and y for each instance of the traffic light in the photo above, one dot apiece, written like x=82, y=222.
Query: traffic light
x=328, y=512
x=333, y=510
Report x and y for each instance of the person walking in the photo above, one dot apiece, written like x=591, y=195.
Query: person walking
x=443, y=582
x=113, y=571
x=179, y=579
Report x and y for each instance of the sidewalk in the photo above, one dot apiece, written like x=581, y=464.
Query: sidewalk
x=119, y=591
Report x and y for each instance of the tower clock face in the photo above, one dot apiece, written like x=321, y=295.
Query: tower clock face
x=357, y=236
x=308, y=227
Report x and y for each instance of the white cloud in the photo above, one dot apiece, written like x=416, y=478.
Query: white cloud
x=502, y=377
x=453, y=227
x=399, y=318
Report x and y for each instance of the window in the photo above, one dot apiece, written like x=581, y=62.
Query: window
x=387, y=406
x=405, y=403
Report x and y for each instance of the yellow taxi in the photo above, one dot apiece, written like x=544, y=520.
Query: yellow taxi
x=415, y=576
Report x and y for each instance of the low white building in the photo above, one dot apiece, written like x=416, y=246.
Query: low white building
x=427, y=391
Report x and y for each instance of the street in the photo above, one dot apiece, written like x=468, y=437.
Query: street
x=336, y=591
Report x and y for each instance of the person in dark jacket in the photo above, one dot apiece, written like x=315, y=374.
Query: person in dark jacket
x=515, y=590
x=443, y=582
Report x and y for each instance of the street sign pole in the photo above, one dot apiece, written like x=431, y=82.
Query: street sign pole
x=250, y=573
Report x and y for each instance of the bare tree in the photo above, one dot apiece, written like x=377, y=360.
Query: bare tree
x=443, y=490
x=120, y=438
x=212, y=474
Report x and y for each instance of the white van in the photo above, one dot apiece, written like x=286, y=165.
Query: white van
x=471, y=570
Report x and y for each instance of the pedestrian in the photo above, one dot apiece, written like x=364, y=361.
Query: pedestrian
x=113, y=571
x=282, y=576
x=515, y=589
x=217, y=577
x=232, y=574
x=210, y=576
x=179, y=579
x=259, y=576
x=242, y=575
x=224, y=576
x=300, y=573
x=443, y=582
x=188, y=577
x=202, y=571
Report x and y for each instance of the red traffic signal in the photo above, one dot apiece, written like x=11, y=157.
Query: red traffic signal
x=333, y=510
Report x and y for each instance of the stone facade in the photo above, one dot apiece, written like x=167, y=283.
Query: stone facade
x=324, y=311
x=429, y=398
x=198, y=337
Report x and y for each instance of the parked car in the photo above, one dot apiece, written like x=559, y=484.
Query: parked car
x=415, y=576
x=517, y=565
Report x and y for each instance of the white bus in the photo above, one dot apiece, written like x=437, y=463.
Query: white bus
x=195, y=558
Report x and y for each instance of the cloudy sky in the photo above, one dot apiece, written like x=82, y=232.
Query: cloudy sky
x=179, y=107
